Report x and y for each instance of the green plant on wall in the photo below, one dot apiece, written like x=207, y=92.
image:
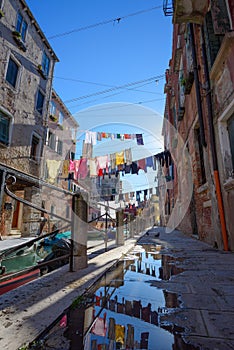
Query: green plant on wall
x=182, y=81
x=16, y=34
x=53, y=118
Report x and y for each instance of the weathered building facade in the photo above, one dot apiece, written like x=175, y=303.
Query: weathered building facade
x=59, y=149
x=199, y=113
x=26, y=70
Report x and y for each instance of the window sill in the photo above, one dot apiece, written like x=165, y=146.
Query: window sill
x=4, y=145
x=20, y=43
x=42, y=73
x=229, y=184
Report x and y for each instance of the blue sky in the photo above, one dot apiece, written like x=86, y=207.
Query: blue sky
x=135, y=49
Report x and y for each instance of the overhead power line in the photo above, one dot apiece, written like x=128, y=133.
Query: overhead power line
x=156, y=78
x=107, y=85
x=113, y=20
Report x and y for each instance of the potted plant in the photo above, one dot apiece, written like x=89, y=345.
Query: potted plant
x=16, y=34
x=182, y=81
x=17, y=38
x=53, y=118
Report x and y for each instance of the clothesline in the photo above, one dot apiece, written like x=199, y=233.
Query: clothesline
x=91, y=137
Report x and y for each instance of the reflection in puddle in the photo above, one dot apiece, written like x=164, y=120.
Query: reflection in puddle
x=122, y=310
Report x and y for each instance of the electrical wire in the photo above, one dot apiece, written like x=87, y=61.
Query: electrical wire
x=113, y=20
x=127, y=104
x=80, y=113
x=156, y=78
x=111, y=86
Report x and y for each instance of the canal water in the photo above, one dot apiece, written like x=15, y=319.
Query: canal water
x=122, y=310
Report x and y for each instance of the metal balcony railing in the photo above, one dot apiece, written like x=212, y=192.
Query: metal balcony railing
x=168, y=7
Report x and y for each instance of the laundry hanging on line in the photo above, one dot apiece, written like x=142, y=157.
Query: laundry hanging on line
x=91, y=137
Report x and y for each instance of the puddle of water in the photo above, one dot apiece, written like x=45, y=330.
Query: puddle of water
x=122, y=310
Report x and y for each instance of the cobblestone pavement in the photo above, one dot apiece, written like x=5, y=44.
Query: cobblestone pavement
x=203, y=280
x=201, y=277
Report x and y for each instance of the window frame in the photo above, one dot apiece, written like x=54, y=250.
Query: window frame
x=35, y=156
x=45, y=64
x=17, y=80
x=59, y=148
x=6, y=114
x=39, y=91
x=52, y=140
x=21, y=26
x=61, y=118
x=73, y=134
x=200, y=152
x=53, y=108
x=225, y=146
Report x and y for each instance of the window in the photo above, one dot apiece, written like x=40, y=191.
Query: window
x=60, y=147
x=73, y=134
x=40, y=102
x=230, y=129
x=12, y=72
x=35, y=147
x=21, y=26
x=45, y=64
x=5, y=123
x=226, y=136
x=61, y=118
x=67, y=212
x=201, y=157
x=52, y=210
x=52, y=141
x=52, y=108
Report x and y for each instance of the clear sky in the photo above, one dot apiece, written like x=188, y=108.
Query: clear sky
x=113, y=56
x=135, y=48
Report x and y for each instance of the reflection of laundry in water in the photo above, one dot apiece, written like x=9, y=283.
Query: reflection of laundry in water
x=100, y=327
x=119, y=333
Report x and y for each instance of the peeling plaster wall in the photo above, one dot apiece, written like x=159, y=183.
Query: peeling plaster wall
x=222, y=78
x=20, y=101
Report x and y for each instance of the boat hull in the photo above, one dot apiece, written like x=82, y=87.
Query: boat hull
x=17, y=281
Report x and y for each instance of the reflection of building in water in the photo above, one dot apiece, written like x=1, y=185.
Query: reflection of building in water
x=169, y=267
x=109, y=316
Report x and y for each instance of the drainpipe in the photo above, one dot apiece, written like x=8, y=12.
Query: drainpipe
x=197, y=86
x=213, y=146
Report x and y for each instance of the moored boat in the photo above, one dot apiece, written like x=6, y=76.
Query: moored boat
x=13, y=281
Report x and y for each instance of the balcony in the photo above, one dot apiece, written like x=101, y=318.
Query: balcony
x=190, y=11
x=168, y=7
x=184, y=11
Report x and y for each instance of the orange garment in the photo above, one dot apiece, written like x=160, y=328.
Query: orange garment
x=65, y=170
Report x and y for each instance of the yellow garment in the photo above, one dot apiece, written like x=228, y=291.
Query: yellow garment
x=65, y=170
x=53, y=167
x=119, y=158
x=119, y=333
